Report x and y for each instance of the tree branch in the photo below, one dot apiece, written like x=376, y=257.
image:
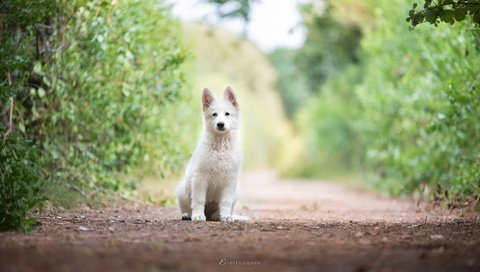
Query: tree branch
x=455, y=5
x=10, y=119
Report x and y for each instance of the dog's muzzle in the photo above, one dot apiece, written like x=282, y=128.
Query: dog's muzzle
x=221, y=126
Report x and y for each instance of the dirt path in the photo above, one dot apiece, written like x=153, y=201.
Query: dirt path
x=295, y=226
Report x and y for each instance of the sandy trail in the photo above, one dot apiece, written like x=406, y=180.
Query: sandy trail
x=263, y=193
x=296, y=225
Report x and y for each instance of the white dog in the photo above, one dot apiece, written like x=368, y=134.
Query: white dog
x=209, y=188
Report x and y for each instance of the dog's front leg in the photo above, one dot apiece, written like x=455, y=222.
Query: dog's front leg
x=199, y=194
x=226, y=203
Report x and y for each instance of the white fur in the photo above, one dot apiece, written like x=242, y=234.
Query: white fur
x=209, y=188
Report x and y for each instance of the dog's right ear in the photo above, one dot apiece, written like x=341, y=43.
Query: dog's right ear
x=207, y=99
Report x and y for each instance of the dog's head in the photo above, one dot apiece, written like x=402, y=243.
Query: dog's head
x=220, y=116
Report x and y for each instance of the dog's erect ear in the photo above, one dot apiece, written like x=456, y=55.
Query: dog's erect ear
x=230, y=96
x=207, y=99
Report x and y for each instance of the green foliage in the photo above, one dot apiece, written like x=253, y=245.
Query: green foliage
x=21, y=180
x=422, y=107
x=20, y=183
x=101, y=107
x=329, y=47
x=289, y=77
x=97, y=87
x=24, y=14
x=18, y=20
x=407, y=113
x=448, y=11
x=329, y=122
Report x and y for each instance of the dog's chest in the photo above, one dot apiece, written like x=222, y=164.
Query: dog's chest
x=222, y=162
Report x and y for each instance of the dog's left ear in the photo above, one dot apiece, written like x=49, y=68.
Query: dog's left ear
x=230, y=96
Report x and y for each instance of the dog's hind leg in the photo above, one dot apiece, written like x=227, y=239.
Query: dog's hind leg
x=184, y=202
x=237, y=217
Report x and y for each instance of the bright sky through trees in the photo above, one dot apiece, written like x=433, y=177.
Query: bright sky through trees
x=274, y=23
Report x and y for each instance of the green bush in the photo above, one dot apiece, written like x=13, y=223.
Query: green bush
x=330, y=46
x=329, y=125
x=422, y=105
x=408, y=113
x=289, y=77
x=21, y=179
x=103, y=104
x=20, y=183
x=97, y=86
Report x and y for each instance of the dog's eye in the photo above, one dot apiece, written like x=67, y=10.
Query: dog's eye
x=215, y=114
x=227, y=114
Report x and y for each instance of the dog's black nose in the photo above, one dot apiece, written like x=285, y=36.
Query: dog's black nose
x=220, y=124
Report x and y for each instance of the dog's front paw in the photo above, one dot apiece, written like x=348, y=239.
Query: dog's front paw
x=199, y=217
x=227, y=218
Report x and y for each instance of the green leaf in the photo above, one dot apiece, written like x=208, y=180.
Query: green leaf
x=21, y=127
x=46, y=81
x=41, y=92
x=460, y=14
x=37, y=68
x=448, y=16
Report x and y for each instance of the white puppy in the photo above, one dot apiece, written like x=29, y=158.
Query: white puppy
x=209, y=188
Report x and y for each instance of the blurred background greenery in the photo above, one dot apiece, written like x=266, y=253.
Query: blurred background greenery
x=99, y=97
